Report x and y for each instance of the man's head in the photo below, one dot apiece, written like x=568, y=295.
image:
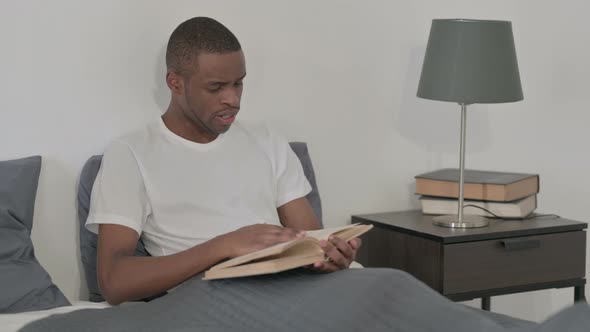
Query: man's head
x=206, y=67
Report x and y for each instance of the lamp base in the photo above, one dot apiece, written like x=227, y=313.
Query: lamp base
x=452, y=221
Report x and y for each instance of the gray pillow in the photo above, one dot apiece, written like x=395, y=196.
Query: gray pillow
x=88, y=240
x=24, y=284
x=300, y=149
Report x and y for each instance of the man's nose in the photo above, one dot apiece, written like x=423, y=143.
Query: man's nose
x=231, y=97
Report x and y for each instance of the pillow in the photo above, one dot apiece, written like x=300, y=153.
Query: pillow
x=300, y=149
x=88, y=240
x=24, y=284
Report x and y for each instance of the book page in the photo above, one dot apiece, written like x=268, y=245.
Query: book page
x=348, y=234
x=323, y=234
x=345, y=232
x=263, y=267
x=273, y=250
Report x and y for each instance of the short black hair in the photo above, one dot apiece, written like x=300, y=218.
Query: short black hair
x=198, y=35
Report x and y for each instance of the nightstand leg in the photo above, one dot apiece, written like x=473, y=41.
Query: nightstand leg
x=579, y=294
x=486, y=303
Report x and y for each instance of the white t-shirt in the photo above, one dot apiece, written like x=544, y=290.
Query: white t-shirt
x=176, y=193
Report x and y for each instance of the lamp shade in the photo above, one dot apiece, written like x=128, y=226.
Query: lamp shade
x=470, y=61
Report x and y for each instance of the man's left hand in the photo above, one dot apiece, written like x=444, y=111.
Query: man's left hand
x=339, y=254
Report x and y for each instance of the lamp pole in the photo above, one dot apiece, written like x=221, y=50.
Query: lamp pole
x=462, y=161
x=459, y=220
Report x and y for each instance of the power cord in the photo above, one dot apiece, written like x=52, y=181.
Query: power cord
x=530, y=216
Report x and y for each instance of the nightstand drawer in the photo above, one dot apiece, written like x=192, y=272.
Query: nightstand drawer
x=491, y=264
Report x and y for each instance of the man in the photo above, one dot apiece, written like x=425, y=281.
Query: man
x=196, y=185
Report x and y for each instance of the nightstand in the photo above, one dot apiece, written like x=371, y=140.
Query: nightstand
x=508, y=256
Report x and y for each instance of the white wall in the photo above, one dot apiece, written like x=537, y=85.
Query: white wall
x=341, y=75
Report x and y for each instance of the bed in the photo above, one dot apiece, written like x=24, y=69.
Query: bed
x=298, y=300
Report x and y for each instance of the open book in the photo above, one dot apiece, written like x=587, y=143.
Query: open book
x=284, y=256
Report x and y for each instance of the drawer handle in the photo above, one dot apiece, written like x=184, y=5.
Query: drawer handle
x=520, y=244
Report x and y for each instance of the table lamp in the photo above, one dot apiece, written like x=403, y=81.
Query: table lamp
x=467, y=62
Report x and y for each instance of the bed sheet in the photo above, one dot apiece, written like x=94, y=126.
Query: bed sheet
x=13, y=322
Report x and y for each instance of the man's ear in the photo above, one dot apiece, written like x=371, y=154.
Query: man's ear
x=175, y=82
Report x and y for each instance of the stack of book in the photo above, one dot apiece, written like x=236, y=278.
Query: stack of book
x=507, y=195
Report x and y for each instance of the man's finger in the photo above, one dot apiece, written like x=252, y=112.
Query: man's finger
x=281, y=235
x=334, y=254
x=288, y=234
x=343, y=247
x=325, y=267
x=355, y=243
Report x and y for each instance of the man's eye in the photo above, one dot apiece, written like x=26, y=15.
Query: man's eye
x=214, y=88
x=240, y=83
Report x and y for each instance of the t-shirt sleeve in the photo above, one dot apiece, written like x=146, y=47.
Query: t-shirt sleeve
x=118, y=195
x=290, y=178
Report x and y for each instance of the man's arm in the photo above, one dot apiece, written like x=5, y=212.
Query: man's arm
x=124, y=277
x=298, y=214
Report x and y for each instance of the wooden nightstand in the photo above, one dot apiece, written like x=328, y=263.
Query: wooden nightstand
x=508, y=256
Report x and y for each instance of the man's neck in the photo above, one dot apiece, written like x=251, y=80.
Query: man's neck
x=184, y=127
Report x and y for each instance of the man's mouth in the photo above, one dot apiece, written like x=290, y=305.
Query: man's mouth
x=226, y=118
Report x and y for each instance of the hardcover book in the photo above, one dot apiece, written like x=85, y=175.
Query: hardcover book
x=478, y=185
x=284, y=256
x=515, y=209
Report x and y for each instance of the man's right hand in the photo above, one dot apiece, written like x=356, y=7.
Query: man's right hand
x=256, y=237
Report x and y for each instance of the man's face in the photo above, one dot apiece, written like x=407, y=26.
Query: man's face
x=212, y=93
